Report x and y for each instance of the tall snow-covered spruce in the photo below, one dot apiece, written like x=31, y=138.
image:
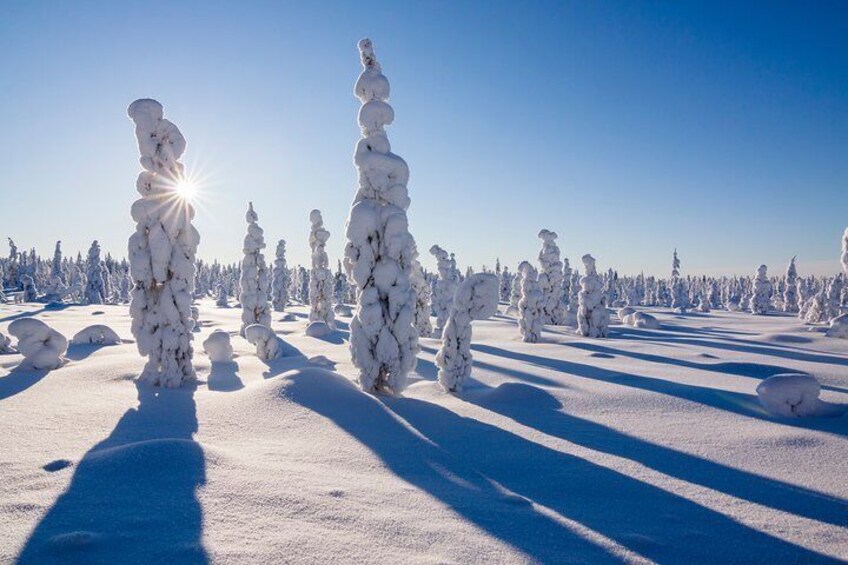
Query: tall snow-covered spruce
x=380, y=250
x=255, y=308
x=162, y=251
x=550, y=279
x=592, y=313
x=320, y=277
x=280, y=279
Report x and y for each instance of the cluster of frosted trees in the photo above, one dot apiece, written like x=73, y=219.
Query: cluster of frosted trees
x=396, y=299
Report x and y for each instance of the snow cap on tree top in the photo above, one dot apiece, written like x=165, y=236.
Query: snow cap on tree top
x=372, y=84
x=251, y=216
x=589, y=264
x=547, y=235
x=145, y=111
x=315, y=217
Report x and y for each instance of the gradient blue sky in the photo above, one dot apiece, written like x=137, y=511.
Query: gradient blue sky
x=630, y=128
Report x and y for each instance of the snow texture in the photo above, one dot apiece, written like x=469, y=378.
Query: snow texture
x=162, y=251
x=218, y=347
x=41, y=346
x=475, y=299
x=592, y=313
x=320, y=277
x=380, y=250
x=97, y=334
x=255, y=308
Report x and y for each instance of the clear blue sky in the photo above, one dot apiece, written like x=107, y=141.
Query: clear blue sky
x=630, y=128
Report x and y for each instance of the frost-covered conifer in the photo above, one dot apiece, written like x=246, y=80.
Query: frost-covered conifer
x=530, y=305
x=833, y=302
x=12, y=276
x=515, y=295
x=760, y=302
x=280, y=279
x=845, y=252
x=476, y=299
x=550, y=279
x=320, y=278
x=445, y=288
x=422, y=300
x=124, y=292
x=162, y=251
x=790, y=292
x=222, y=298
x=56, y=266
x=95, y=287
x=380, y=249
x=30, y=291
x=592, y=313
x=254, y=276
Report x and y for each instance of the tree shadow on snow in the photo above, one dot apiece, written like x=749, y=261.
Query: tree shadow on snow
x=493, y=478
x=18, y=380
x=540, y=410
x=224, y=377
x=290, y=359
x=133, y=495
x=729, y=401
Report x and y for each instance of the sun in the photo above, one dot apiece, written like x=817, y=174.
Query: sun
x=186, y=189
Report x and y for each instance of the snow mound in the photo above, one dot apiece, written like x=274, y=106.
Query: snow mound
x=624, y=312
x=288, y=317
x=98, y=334
x=266, y=341
x=790, y=395
x=319, y=329
x=343, y=310
x=41, y=346
x=322, y=361
x=520, y=395
x=6, y=344
x=838, y=327
x=218, y=347
x=641, y=320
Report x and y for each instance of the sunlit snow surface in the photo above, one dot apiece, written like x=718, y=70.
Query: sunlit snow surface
x=647, y=446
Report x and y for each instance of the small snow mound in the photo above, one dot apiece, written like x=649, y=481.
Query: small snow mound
x=343, y=310
x=626, y=311
x=41, y=346
x=319, y=329
x=521, y=395
x=322, y=361
x=6, y=345
x=266, y=341
x=838, y=327
x=217, y=346
x=786, y=338
x=98, y=334
x=790, y=395
x=641, y=320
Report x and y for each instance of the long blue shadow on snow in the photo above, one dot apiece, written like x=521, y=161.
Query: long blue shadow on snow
x=133, y=495
x=450, y=478
x=18, y=380
x=538, y=409
x=729, y=401
x=490, y=476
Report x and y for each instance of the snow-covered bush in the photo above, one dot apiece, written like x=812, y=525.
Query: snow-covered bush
x=530, y=304
x=6, y=345
x=255, y=308
x=162, y=251
x=641, y=320
x=838, y=327
x=280, y=279
x=475, y=299
x=550, y=279
x=790, y=395
x=321, y=277
x=30, y=292
x=380, y=249
x=624, y=312
x=222, y=299
x=319, y=329
x=218, y=347
x=816, y=307
x=833, y=302
x=445, y=288
x=266, y=341
x=790, y=293
x=592, y=313
x=97, y=334
x=41, y=345
x=760, y=300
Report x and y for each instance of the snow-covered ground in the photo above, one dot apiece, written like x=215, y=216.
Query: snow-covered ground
x=647, y=446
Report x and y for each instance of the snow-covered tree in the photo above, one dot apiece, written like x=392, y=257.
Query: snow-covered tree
x=162, y=251
x=445, y=288
x=255, y=308
x=790, y=292
x=550, y=279
x=95, y=288
x=280, y=279
x=56, y=265
x=514, y=295
x=592, y=313
x=222, y=299
x=476, y=299
x=29, y=288
x=12, y=276
x=833, y=303
x=530, y=305
x=380, y=249
x=760, y=300
x=321, y=277
x=845, y=252
x=422, y=300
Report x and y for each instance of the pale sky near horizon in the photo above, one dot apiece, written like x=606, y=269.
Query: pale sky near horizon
x=630, y=128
